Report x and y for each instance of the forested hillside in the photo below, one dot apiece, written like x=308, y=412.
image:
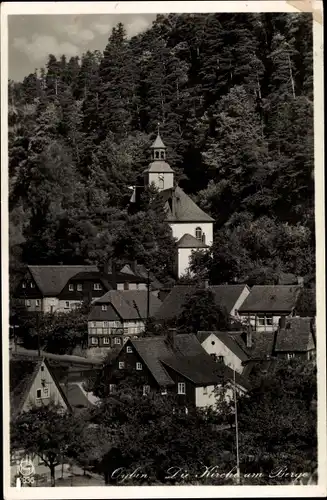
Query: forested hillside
x=234, y=96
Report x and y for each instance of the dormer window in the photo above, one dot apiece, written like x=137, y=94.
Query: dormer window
x=32, y=284
x=23, y=284
x=198, y=233
x=97, y=286
x=71, y=288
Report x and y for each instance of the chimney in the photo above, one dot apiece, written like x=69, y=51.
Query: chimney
x=300, y=281
x=171, y=335
x=113, y=276
x=282, y=322
x=134, y=266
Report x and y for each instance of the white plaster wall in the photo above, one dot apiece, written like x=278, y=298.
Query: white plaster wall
x=53, y=392
x=73, y=304
x=258, y=328
x=220, y=349
x=48, y=302
x=184, y=255
x=134, y=327
x=240, y=300
x=181, y=228
x=205, y=400
x=168, y=179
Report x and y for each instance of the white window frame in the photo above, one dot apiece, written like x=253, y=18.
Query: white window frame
x=129, y=349
x=146, y=389
x=40, y=391
x=290, y=355
x=97, y=286
x=121, y=365
x=106, y=324
x=32, y=284
x=93, y=324
x=46, y=389
x=37, y=302
x=117, y=341
x=198, y=233
x=181, y=388
x=112, y=388
x=71, y=287
x=139, y=366
x=106, y=340
x=164, y=391
x=94, y=341
x=104, y=307
x=28, y=303
x=79, y=287
x=24, y=284
x=67, y=306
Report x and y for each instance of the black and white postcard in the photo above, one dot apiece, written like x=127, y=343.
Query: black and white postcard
x=163, y=254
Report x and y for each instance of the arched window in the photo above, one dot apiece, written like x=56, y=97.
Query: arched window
x=162, y=154
x=157, y=154
x=198, y=233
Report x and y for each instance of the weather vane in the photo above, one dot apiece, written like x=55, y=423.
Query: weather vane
x=158, y=128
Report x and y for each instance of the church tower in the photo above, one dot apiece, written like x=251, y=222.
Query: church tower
x=159, y=171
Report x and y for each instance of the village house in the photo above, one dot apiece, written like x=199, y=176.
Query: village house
x=140, y=270
x=223, y=347
x=230, y=297
x=61, y=288
x=295, y=338
x=32, y=383
x=175, y=364
x=266, y=304
x=191, y=226
x=118, y=315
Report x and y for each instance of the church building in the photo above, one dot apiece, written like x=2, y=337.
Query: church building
x=190, y=225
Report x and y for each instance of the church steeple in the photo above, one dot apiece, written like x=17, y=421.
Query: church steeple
x=158, y=148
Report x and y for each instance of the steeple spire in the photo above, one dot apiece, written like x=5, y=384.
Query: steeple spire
x=158, y=147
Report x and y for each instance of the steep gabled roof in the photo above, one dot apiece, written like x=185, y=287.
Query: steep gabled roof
x=158, y=143
x=22, y=375
x=188, y=241
x=52, y=279
x=75, y=395
x=142, y=272
x=182, y=208
x=296, y=336
x=270, y=298
x=130, y=304
x=158, y=167
x=225, y=296
x=228, y=340
x=262, y=343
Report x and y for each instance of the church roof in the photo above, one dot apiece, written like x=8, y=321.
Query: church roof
x=159, y=166
x=158, y=143
x=188, y=241
x=181, y=208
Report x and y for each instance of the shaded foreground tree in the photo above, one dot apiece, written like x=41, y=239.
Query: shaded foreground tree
x=49, y=432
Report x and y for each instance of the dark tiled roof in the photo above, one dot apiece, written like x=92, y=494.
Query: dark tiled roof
x=225, y=296
x=130, y=304
x=76, y=397
x=270, y=298
x=296, y=336
x=107, y=279
x=189, y=241
x=229, y=342
x=262, y=343
x=52, y=279
x=182, y=207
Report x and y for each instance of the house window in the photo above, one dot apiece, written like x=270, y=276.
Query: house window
x=38, y=393
x=46, y=392
x=37, y=302
x=157, y=154
x=186, y=410
x=139, y=366
x=23, y=284
x=181, y=388
x=221, y=359
x=205, y=390
x=112, y=388
x=164, y=391
x=105, y=324
x=290, y=355
x=32, y=284
x=42, y=368
x=117, y=340
x=97, y=286
x=106, y=340
x=129, y=349
x=198, y=233
x=104, y=307
x=261, y=320
x=27, y=303
x=79, y=287
x=93, y=324
x=146, y=390
x=162, y=154
x=121, y=365
x=71, y=288
x=67, y=305
x=94, y=341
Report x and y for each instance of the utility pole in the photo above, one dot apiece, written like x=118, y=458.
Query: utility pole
x=238, y=474
x=38, y=333
x=148, y=296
